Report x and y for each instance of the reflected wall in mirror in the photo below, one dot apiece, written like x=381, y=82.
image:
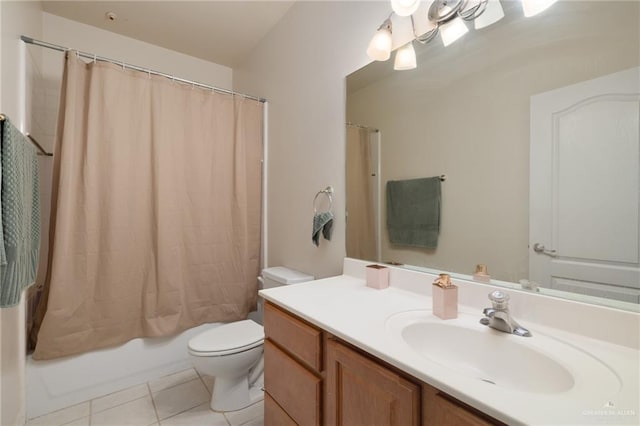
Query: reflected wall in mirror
x=466, y=112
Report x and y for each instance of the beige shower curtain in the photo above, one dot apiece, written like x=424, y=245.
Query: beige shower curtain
x=361, y=231
x=157, y=209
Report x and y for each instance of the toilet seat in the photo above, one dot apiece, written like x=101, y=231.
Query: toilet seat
x=227, y=339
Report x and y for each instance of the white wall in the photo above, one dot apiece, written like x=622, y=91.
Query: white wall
x=90, y=39
x=300, y=67
x=15, y=17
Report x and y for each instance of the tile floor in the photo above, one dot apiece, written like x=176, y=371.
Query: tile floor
x=177, y=399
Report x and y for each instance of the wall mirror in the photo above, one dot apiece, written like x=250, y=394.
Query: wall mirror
x=534, y=122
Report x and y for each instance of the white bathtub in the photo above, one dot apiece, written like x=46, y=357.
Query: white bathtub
x=55, y=384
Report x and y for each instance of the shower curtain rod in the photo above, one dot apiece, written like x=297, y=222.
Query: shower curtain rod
x=136, y=68
x=359, y=126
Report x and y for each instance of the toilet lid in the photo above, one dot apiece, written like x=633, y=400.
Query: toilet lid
x=239, y=335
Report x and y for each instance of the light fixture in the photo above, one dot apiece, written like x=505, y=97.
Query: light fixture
x=492, y=14
x=405, y=58
x=452, y=30
x=380, y=45
x=533, y=7
x=444, y=17
x=405, y=7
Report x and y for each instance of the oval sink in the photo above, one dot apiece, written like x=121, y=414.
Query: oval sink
x=486, y=356
x=538, y=364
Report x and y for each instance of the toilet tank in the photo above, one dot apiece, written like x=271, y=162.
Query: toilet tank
x=275, y=277
x=280, y=275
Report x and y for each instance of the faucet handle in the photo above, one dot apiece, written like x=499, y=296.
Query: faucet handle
x=499, y=299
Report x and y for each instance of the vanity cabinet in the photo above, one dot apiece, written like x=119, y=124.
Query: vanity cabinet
x=360, y=391
x=313, y=378
x=292, y=369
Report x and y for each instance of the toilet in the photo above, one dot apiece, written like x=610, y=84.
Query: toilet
x=233, y=353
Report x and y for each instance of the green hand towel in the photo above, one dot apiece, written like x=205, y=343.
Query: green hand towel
x=413, y=212
x=20, y=221
x=322, y=222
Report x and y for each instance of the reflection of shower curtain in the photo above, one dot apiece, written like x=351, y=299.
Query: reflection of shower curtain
x=361, y=231
x=156, y=209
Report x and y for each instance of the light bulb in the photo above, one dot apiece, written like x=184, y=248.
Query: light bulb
x=492, y=14
x=453, y=30
x=380, y=45
x=405, y=58
x=404, y=7
x=533, y=7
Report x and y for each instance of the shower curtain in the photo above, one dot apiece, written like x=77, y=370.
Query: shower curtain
x=361, y=231
x=156, y=209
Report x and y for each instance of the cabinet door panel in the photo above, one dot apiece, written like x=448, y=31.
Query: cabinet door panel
x=292, y=386
x=362, y=392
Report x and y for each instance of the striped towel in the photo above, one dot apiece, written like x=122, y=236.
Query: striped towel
x=20, y=221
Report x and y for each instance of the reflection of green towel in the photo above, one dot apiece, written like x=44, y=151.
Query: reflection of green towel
x=413, y=212
x=322, y=222
x=20, y=225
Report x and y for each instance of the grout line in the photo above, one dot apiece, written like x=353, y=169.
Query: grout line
x=153, y=401
x=176, y=384
x=32, y=419
x=118, y=405
x=202, y=380
x=225, y=417
x=180, y=412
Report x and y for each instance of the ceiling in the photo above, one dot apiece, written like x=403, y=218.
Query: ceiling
x=224, y=32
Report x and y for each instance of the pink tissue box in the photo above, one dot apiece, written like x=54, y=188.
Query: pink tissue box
x=377, y=276
x=445, y=302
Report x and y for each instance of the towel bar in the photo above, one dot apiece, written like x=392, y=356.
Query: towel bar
x=41, y=150
x=327, y=191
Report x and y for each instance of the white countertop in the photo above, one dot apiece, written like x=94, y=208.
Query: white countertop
x=347, y=308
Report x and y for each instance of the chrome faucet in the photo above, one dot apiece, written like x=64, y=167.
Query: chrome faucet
x=498, y=316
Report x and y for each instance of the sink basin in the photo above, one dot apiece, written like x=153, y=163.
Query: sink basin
x=537, y=364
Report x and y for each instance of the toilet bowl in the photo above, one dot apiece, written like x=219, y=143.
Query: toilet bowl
x=232, y=353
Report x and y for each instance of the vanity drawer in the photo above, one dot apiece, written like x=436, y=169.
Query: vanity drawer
x=294, y=335
x=294, y=388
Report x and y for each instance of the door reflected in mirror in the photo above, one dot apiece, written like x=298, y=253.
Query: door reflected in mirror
x=522, y=166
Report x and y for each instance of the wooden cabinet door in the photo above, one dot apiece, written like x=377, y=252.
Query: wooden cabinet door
x=360, y=391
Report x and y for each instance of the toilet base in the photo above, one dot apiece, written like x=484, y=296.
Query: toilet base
x=232, y=395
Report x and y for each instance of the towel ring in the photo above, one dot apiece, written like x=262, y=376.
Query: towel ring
x=327, y=191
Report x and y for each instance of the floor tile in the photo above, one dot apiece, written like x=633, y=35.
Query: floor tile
x=117, y=398
x=139, y=413
x=60, y=417
x=183, y=397
x=242, y=417
x=255, y=422
x=172, y=380
x=200, y=415
x=208, y=382
x=84, y=421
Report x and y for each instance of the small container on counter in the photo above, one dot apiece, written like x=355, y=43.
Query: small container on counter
x=444, y=295
x=482, y=274
x=377, y=276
